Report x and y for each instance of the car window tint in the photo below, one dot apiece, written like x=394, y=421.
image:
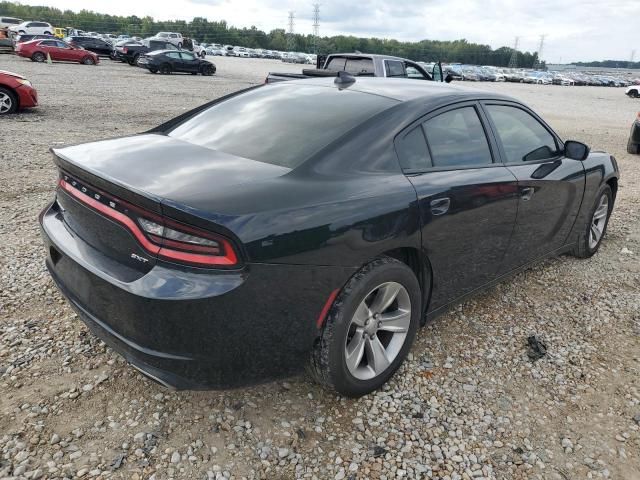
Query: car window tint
x=173, y=55
x=394, y=68
x=456, y=138
x=359, y=66
x=412, y=151
x=277, y=120
x=522, y=136
x=60, y=44
x=187, y=56
x=49, y=43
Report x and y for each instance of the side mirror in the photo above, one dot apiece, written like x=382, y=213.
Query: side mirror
x=576, y=150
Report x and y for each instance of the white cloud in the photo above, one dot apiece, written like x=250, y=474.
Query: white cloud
x=575, y=29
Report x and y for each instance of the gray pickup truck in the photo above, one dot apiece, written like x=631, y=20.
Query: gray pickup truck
x=362, y=64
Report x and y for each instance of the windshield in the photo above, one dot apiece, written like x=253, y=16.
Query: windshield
x=280, y=124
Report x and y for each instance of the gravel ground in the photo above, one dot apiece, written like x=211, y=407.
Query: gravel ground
x=468, y=403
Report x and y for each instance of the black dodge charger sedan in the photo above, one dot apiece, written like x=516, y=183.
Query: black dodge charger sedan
x=169, y=61
x=314, y=223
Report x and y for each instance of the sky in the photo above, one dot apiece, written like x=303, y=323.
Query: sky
x=575, y=30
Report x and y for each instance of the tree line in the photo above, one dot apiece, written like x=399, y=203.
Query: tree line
x=609, y=64
x=217, y=31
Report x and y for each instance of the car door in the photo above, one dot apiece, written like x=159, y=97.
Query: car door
x=189, y=62
x=50, y=47
x=175, y=60
x=550, y=186
x=467, y=201
x=65, y=52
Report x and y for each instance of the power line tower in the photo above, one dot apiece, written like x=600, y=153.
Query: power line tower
x=513, y=61
x=291, y=41
x=316, y=26
x=538, y=63
x=633, y=57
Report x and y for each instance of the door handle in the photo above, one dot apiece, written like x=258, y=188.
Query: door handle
x=440, y=206
x=526, y=193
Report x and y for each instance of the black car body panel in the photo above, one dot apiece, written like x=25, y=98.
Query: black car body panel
x=131, y=53
x=301, y=232
x=176, y=61
x=93, y=44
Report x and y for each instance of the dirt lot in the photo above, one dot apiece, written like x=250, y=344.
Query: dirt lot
x=468, y=403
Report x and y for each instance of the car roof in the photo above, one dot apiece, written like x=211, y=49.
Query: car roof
x=404, y=89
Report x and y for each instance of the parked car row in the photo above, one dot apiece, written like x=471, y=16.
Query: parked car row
x=475, y=73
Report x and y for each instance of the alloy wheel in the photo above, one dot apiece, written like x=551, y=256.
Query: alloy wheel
x=6, y=102
x=378, y=330
x=599, y=221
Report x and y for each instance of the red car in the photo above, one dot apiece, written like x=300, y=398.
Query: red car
x=58, y=50
x=16, y=92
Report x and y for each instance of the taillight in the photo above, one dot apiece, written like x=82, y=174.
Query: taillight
x=159, y=236
x=125, y=49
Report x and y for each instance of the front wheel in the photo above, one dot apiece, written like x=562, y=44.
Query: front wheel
x=591, y=238
x=88, y=61
x=369, y=329
x=38, y=57
x=153, y=70
x=8, y=101
x=208, y=70
x=165, y=69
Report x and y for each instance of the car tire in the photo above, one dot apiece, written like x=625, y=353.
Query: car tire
x=179, y=46
x=598, y=220
x=134, y=61
x=209, y=70
x=633, y=148
x=47, y=33
x=88, y=61
x=378, y=353
x=165, y=69
x=8, y=101
x=634, y=93
x=39, y=57
x=153, y=70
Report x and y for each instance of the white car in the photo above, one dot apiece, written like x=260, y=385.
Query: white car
x=198, y=49
x=240, y=52
x=171, y=37
x=6, y=22
x=32, y=28
x=633, y=91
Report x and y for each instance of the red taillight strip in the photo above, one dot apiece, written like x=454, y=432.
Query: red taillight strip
x=112, y=214
x=228, y=259
x=327, y=306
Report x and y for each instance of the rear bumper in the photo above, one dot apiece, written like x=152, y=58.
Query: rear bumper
x=193, y=328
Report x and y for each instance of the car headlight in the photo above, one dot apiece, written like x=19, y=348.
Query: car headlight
x=24, y=81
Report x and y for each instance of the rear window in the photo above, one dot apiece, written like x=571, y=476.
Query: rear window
x=354, y=66
x=281, y=125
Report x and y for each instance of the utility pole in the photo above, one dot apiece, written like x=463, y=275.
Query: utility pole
x=513, y=61
x=316, y=26
x=633, y=57
x=291, y=41
x=540, y=48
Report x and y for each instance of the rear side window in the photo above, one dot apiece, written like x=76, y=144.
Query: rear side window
x=456, y=139
x=412, y=151
x=394, y=68
x=523, y=137
x=280, y=124
x=175, y=55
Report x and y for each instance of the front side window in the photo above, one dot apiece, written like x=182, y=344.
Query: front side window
x=188, y=56
x=523, y=137
x=48, y=43
x=272, y=123
x=456, y=139
x=394, y=68
x=175, y=55
x=414, y=72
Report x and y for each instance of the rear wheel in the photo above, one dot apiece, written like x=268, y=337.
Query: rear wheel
x=635, y=93
x=8, y=101
x=47, y=33
x=633, y=148
x=88, y=61
x=165, y=69
x=134, y=60
x=369, y=329
x=153, y=70
x=591, y=238
x=38, y=57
